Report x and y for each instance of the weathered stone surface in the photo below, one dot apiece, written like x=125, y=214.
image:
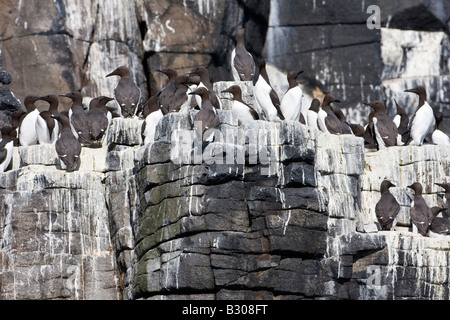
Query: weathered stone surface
x=160, y=229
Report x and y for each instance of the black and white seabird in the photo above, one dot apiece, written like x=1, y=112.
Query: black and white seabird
x=327, y=121
x=439, y=137
x=205, y=82
x=127, y=94
x=207, y=115
x=401, y=120
x=267, y=100
x=79, y=120
x=98, y=118
x=385, y=131
x=16, y=120
x=242, y=63
x=152, y=114
x=67, y=146
x=168, y=90
x=150, y=105
x=421, y=215
x=27, y=130
x=422, y=122
x=446, y=197
x=291, y=103
x=311, y=115
x=9, y=134
x=346, y=128
x=387, y=208
x=439, y=226
x=47, y=128
x=180, y=101
x=369, y=134
x=244, y=112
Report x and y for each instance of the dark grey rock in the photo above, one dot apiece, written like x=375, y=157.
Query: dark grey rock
x=5, y=77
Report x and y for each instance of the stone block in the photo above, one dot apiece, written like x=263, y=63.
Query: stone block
x=298, y=174
x=125, y=131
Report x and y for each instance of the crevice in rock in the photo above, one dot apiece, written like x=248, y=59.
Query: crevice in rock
x=84, y=65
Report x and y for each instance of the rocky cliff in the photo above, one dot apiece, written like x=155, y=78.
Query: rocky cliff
x=82, y=41
x=271, y=211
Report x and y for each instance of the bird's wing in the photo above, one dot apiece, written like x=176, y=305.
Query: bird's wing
x=245, y=66
x=276, y=102
x=333, y=124
x=388, y=131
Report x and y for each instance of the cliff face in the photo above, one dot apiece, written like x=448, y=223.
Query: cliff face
x=270, y=210
x=82, y=41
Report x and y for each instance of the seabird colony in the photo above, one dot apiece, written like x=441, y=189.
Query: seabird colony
x=77, y=128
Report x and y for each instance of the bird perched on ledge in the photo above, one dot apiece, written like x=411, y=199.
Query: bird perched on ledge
x=385, y=131
x=27, y=130
x=421, y=214
x=291, y=103
x=387, y=208
x=98, y=118
x=67, y=146
x=423, y=121
x=267, y=99
x=242, y=63
x=47, y=128
x=327, y=120
x=207, y=116
x=79, y=120
x=6, y=146
x=126, y=93
x=243, y=111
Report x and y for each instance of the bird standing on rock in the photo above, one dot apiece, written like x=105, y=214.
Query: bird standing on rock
x=384, y=129
x=152, y=114
x=126, y=93
x=242, y=63
x=423, y=121
x=421, y=214
x=291, y=103
x=327, y=121
x=267, y=99
x=387, y=207
x=98, y=118
x=401, y=120
x=311, y=115
x=207, y=116
x=244, y=112
x=27, y=130
x=439, y=137
x=6, y=146
x=168, y=90
x=47, y=128
x=78, y=118
x=67, y=146
x=440, y=226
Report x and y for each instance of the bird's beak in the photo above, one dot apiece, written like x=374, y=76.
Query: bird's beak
x=338, y=101
x=224, y=91
x=111, y=74
x=409, y=90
